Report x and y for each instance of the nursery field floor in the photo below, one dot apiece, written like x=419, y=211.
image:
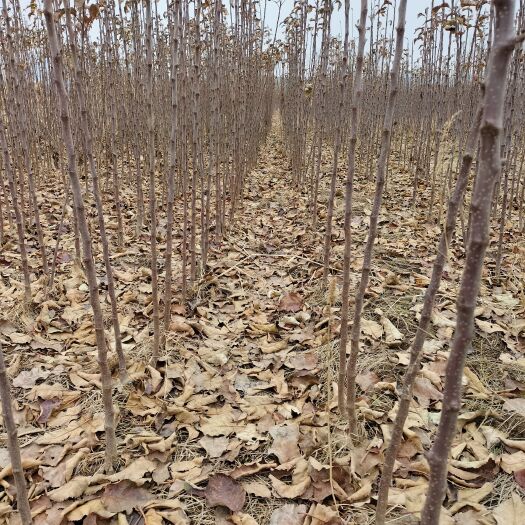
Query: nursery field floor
x=238, y=424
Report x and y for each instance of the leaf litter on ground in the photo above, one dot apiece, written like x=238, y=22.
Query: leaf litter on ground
x=233, y=424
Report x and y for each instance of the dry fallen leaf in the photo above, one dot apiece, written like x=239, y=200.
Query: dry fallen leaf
x=372, y=328
x=72, y=489
x=425, y=392
x=240, y=518
x=224, y=491
x=289, y=514
x=285, y=442
x=487, y=327
x=470, y=497
x=257, y=489
x=135, y=470
x=28, y=378
x=392, y=335
x=95, y=506
x=512, y=462
x=290, y=302
x=215, y=447
x=322, y=515
x=152, y=517
x=300, y=479
x=511, y=511
x=125, y=496
x=515, y=405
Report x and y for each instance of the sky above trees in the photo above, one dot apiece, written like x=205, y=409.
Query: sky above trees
x=412, y=21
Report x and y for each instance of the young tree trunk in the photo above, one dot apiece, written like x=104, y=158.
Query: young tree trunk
x=18, y=214
x=355, y=112
x=152, y=197
x=424, y=321
x=504, y=204
x=173, y=165
x=489, y=171
x=57, y=243
x=88, y=147
x=137, y=93
x=12, y=445
x=16, y=74
x=374, y=217
x=87, y=251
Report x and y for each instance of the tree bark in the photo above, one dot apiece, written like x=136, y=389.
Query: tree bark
x=424, y=321
x=355, y=112
x=87, y=250
x=351, y=369
x=489, y=171
x=12, y=445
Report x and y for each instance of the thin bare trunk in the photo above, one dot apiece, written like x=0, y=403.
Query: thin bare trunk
x=87, y=251
x=12, y=445
x=374, y=217
x=355, y=112
x=489, y=171
x=422, y=330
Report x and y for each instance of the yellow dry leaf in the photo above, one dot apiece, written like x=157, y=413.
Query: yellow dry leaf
x=488, y=328
x=462, y=474
x=27, y=463
x=214, y=446
x=135, y=470
x=412, y=498
x=95, y=506
x=267, y=328
x=515, y=405
x=73, y=461
x=371, y=328
x=285, y=442
x=173, y=504
x=515, y=443
x=156, y=379
x=257, y=489
x=78, y=381
x=141, y=405
x=172, y=510
x=72, y=489
x=362, y=494
x=289, y=491
x=322, y=515
x=219, y=425
x=240, y=518
x=474, y=382
x=470, y=497
x=60, y=435
x=93, y=379
x=270, y=348
x=175, y=517
x=512, y=462
x=14, y=366
x=152, y=517
x=470, y=464
x=392, y=335
x=179, y=324
x=440, y=320
x=182, y=415
x=162, y=445
x=300, y=479
x=511, y=511
x=492, y=436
